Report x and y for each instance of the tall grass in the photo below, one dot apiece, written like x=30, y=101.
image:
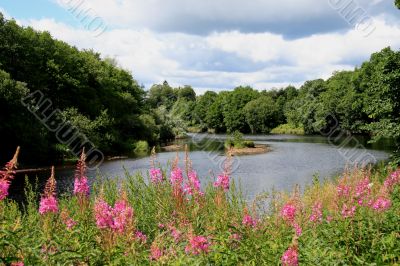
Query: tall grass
x=158, y=220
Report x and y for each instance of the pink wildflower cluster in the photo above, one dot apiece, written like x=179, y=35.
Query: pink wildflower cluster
x=176, y=176
x=316, y=215
x=4, y=186
x=193, y=184
x=7, y=175
x=348, y=212
x=175, y=233
x=381, y=204
x=363, y=192
x=249, y=221
x=116, y=218
x=156, y=175
x=392, y=180
x=81, y=184
x=140, y=236
x=343, y=190
x=48, y=202
x=70, y=223
x=198, y=245
x=18, y=263
x=222, y=181
x=288, y=212
x=156, y=252
x=297, y=229
x=290, y=257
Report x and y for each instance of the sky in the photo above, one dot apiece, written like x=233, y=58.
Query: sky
x=220, y=44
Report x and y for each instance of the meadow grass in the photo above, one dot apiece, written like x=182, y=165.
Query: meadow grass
x=166, y=218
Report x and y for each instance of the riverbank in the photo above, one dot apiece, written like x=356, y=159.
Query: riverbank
x=355, y=220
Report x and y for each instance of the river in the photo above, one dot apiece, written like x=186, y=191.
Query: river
x=292, y=160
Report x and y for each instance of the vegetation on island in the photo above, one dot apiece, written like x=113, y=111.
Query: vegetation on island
x=169, y=218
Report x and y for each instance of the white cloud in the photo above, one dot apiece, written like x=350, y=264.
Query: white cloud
x=273, y=61
x=194, y=16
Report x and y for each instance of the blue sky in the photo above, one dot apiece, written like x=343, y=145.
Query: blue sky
x=220, y=44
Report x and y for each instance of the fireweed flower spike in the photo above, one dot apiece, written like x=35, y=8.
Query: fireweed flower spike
x=288, y=212
x=7, y=175
x=198, y=245
x=290, y=257
x=156, y=175
x=48, y=202
x=81, y=186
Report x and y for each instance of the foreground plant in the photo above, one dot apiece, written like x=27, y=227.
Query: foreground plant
x=174, y=219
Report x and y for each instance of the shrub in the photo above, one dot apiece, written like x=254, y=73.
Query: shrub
x=141, y=146
x=249, y=144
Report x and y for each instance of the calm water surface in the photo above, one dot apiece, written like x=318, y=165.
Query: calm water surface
x=292, y=160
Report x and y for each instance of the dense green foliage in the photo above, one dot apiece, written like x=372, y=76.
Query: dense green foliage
x=397, y=3
x=166, y=226
x=97, y=97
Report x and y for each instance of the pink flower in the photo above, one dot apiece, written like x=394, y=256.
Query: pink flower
x=70, y=223
x=122, y=215
x=381, y=204
x=116, y=218
x=176, y=234
x=297, y=229
x=197, y=245
x=343, y=190
x=156, y=175
x=176, y=176
x=348, y=212
x=235, y=237
x=222, y=181
x=316, y=215
x=193, y=184
x=18, y=263
x=363, y=188
x=329, y=218
x=81, y=186
x=249, y=221
x=288, y=212
x=140, y=236
x=7, y=175
x=156, y=252
x=103, y=214
x=48, y=204
x=290, y=257
x=392, y=180
x=4, y=186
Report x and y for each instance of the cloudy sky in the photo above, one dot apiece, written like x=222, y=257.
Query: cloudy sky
x=220, y=44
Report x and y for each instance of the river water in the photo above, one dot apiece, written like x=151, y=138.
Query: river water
x=292, y=160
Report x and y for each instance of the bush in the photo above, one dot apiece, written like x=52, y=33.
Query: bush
x=249, y=143
x=141, y=146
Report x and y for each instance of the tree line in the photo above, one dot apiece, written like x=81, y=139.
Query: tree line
x=107, y=105
x=363, y=101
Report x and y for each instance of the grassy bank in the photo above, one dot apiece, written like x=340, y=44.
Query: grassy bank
x=167, y=218
x=288, y=129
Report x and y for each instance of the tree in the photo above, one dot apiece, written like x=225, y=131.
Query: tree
x=202, y=106
x=234, y=102
x=397, y=3
x=187, y=93
x=214, y=117
x=261, y=114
